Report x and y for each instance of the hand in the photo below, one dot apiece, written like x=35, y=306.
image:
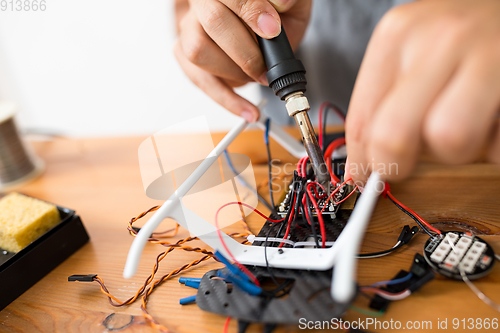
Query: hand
x=217, y=48
x=430, y=79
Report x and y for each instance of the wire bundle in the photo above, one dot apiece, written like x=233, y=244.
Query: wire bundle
x=425, y=226
x=150, y=283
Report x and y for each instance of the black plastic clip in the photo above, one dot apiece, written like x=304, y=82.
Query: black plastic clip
x=82, y=278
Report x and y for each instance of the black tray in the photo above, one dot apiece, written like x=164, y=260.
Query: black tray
x=19, y=271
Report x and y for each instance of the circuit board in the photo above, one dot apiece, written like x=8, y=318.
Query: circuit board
x=454, y=251
x=289, y=294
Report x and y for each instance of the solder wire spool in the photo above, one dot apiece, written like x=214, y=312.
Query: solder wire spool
x=18, y=164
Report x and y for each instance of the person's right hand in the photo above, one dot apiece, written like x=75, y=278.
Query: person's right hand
x=217, y=48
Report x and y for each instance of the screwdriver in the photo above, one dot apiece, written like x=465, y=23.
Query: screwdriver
x=286, y=75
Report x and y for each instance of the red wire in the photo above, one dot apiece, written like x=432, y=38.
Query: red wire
x=347, y=197
x=289, y=222
x=320, y=125
x=437, y=231
x=328, y=156
x=254, y=210
x=303, y=166
x=299, y=165
x=316, y=191
x=226, y=325
x=304, y=203
x=219, y=233
x=333, y=192
x=320, y=217
x=332, y=107
x=324, y=107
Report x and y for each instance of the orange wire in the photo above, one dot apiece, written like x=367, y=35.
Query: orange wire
x=171, y=246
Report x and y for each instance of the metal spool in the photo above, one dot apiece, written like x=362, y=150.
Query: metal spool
x=17, y=164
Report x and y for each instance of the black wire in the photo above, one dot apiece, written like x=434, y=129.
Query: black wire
x=381, y=252
x=291, y=193
x=279, y=287
x=330, y=106
x=312, y=221
x=298, y=201
x=287, y=217
x=265, y=254
x=421, y=225
x=269, y=164
x=296, y=206
x=323, y=133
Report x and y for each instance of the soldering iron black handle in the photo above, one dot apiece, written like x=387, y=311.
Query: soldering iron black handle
x=285, y=75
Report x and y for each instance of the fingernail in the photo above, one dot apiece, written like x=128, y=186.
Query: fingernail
x=268, y=25
x=248, y=116
x=263, y=80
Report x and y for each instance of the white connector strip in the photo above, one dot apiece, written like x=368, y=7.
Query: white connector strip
x=472, y=257
x=439, y=255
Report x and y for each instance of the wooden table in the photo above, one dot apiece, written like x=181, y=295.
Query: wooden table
x=100, y=179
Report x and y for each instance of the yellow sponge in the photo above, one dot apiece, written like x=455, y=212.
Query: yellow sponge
x=24, y=219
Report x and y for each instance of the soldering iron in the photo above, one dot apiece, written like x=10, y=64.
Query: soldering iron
x=286, y=75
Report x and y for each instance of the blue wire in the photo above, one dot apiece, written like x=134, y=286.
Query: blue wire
x=232, y=268
x=231, y=166
x=387, y=283
x=187, y=300
x=266, y=133
x=243, y=181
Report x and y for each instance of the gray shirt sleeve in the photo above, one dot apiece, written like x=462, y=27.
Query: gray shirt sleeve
x=332, y=51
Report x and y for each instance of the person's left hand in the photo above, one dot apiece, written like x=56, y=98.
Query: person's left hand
x=430, y=79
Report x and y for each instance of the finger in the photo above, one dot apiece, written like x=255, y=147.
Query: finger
x=376, y=76
x=232, y=36
x=395, y=133
x=461, y=119
x=494, y=149
x=295, y=21
x=259, y=15
x=216, y=88
x=204, y=53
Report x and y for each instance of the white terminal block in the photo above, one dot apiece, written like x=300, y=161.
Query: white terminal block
x=444, y=248
x=458, y=252
x=472, y=257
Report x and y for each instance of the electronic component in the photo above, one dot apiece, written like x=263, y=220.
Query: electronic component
x=331, y=205
x=420, y=273
x=454, y=251
x=295, y=229
x=82, y=278
x=307, y=296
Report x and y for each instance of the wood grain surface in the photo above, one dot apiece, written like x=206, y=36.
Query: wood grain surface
x=100, y=179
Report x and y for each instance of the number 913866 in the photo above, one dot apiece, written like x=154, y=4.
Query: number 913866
x=23, y=5
x=475, y=323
